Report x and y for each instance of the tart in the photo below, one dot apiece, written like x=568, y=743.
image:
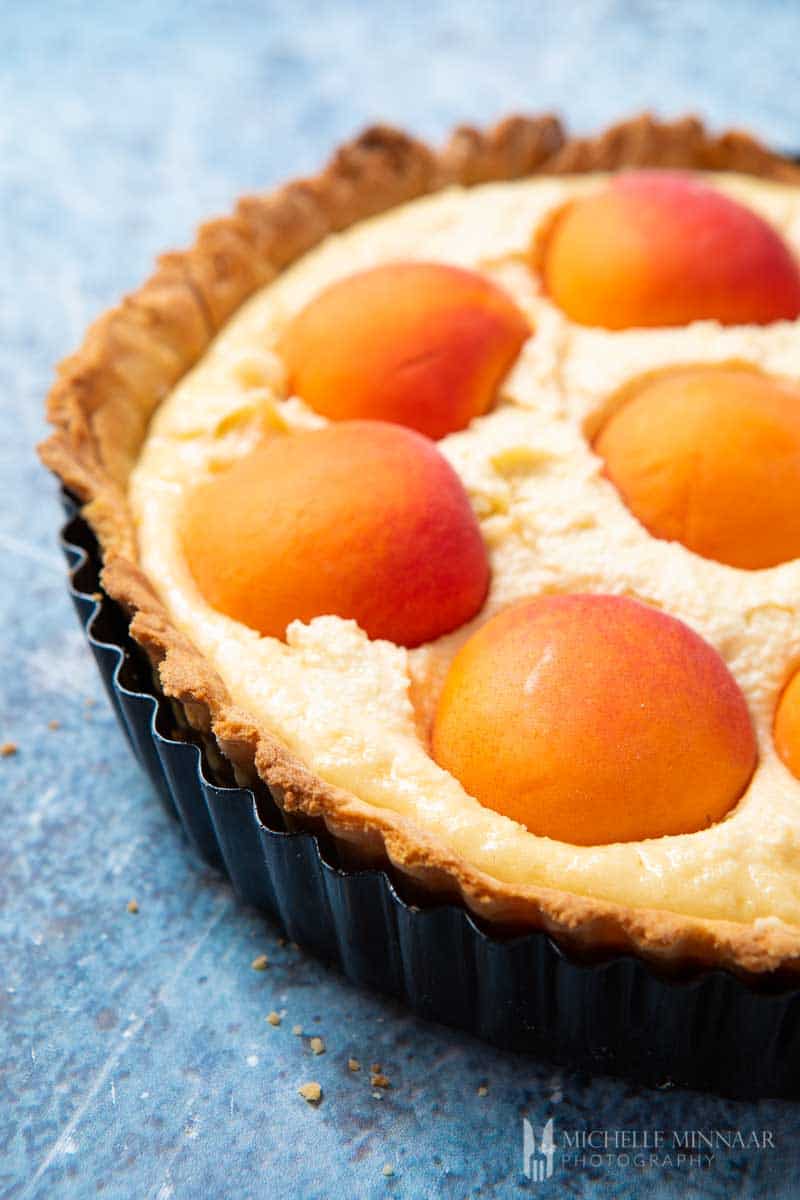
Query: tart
x=477, y=544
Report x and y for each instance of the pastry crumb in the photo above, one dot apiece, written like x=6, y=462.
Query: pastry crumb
x=273, y=1018
x=317, y=1045
x=388, y=1169
x=483, y=1090
x=297, y=1030
x=379, y=1080
x=54, y=724
x=98, y=596
x=311, y=1092
x=353, y=1064
x=133, y=906
x=377, y=1095
x=260, y=963
x=8, y=748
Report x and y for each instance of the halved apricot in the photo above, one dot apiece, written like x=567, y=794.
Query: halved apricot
x=594, y=719
x=360, y=519
x=420, y=344
x=786, y=731
x=660, y=248
x=710, y=457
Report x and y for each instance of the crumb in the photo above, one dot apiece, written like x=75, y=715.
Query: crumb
x=281, y=941
x=311, y=1092
x=377, y=1095
x=379, y=1081
x=353, y=1064
x=8, y=748
x=317, y=1045
x=297, y=1030
x=260, y=963
x=388, y=1169
x=273, y=1018
x=133, y=906
x=483, y=1090
x=53, y=724
x=376, y=1068
x=98, y=596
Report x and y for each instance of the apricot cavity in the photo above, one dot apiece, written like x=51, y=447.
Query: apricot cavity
x=361, y=519
x=659, y=248
x=416, y=343
x=710, y=457
x=787, y=726
x=594, y=719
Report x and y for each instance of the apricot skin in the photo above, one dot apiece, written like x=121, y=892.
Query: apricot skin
x=660, y=248
x=361, y=519
x=710, y=457
x=787, y=726
x=594, y=719
x=419, y=344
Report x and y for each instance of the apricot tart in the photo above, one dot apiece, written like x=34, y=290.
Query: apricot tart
x=457, y=495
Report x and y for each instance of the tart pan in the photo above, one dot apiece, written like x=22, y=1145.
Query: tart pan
x=710, y=1030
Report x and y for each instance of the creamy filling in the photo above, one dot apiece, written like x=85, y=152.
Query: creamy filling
x=552, y=523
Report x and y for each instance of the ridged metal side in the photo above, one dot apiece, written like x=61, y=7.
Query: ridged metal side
x=712, y=1031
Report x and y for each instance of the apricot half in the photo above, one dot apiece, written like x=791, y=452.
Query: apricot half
x=594, y=719
x=659, y=248
x=710, y=457
x=787, y=725
x=362, y=519
x=416, y=343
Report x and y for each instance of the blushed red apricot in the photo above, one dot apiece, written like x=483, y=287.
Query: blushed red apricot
x=420, y=344
x=710, y=457
x=594, y=719
x=786, y=731
x=660, y=248
x=361, y=519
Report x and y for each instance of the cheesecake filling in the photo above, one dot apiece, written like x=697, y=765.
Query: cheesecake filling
x=355, y=710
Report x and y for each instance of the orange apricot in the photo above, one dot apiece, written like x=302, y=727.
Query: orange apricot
x=594, y=719
x=786, y=731
x=416, y=343
x=360, y=519
x=710, y=457
x=661, y=248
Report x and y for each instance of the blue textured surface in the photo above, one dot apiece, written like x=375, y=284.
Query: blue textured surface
x=135, y=1060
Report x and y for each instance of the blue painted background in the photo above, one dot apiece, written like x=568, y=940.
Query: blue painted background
x=135, y=1060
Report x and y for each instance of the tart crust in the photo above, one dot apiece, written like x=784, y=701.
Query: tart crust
x=134, y=355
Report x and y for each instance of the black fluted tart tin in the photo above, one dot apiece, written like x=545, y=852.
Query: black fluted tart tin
x=710, y=1030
